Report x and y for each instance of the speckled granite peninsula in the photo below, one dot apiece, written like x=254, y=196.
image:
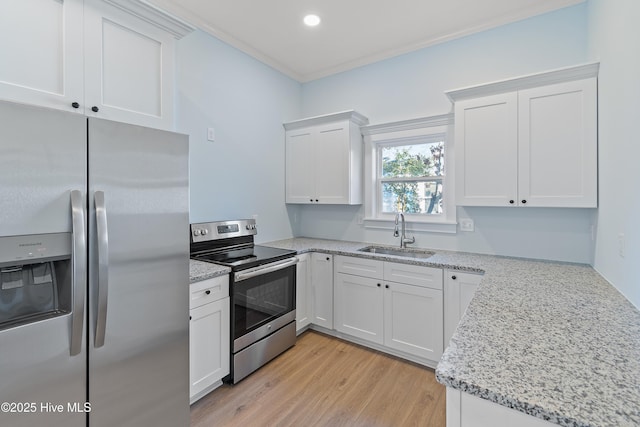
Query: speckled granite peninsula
x=552, y=340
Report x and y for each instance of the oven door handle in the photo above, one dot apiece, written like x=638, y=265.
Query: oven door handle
x=264, y=269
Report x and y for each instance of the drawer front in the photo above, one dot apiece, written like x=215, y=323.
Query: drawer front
x=208, y=291
x=358, y=266
x=427, y=277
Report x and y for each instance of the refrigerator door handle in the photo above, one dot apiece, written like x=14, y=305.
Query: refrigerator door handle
x=79, y=270
x=103, y=268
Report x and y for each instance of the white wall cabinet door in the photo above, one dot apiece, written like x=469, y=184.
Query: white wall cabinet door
x=332, y=156
x=303, y=294
x=557, y=145
x=459, y=289
x=359, y=307
x=300, y=166
x=208, y=346
x=413, y=319
x=486, y=132
x=41, y=51
x=322, y=289
x=129, y=71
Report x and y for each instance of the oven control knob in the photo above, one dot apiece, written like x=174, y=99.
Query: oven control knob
x=196, y=232
x=204, y=232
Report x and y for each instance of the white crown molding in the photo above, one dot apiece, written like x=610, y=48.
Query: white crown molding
x=154, y=16
x=351, y=115
x=404, y=125
x=525, y=82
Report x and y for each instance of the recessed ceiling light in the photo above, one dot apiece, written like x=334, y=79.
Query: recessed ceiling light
x=311, y=20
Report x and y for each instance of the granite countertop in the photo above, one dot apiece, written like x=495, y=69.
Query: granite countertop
x=200, y=270
x=553, y=340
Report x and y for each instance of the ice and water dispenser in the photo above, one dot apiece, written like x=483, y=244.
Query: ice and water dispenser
x=35, y=278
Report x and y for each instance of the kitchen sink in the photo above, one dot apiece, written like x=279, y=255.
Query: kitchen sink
x=404, y=252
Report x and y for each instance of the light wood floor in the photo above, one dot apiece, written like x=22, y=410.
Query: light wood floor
x=324, y=381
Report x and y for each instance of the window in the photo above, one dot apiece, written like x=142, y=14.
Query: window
x=410, y=176
x=405, y=165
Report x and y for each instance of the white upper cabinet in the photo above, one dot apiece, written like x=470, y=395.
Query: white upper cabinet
x=324, y=159
x=530, y=141
x=111, y=59
x=41, y=51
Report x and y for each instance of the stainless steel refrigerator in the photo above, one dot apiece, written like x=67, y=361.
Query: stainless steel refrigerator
x=94, y=265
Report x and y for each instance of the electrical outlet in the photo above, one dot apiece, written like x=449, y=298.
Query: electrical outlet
x=466, y=224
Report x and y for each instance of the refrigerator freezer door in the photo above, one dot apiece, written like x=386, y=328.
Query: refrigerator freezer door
x=139, y=374
x=42, y=159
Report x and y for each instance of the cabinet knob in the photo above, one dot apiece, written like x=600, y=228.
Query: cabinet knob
x=379, y=284
x=316, y=200
x=190, y=317
x=328, y=259
x=207, y=292
x=95, y=109
x=311, y=200
x=75, y=105
x=512, y=202
x=524, y=201
x=453, y=277
x=386, y=286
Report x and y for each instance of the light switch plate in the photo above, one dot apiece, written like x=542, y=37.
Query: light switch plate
x=211, y=134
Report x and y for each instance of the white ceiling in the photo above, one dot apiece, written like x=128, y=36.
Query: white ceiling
x=352, y=32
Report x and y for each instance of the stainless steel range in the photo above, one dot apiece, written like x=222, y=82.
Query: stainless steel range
x=262, y=291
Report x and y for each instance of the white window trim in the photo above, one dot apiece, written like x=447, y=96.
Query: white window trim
x=406, y=132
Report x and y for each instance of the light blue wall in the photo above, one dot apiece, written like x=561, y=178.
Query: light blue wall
x=615, y=41
x=413, y=85
x=246, y=102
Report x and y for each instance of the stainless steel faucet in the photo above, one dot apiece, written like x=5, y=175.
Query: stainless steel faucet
x=403, y=238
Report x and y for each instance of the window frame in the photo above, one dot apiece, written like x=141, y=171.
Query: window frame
x=423, y=130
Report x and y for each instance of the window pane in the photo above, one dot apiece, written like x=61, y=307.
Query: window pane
x=416, y=160
x=412, y=197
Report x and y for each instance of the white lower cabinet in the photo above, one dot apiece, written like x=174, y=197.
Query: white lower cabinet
x=407, y=317
x=413, y=319
x=303, y=296
x=465, y=410
x=322, y=289
x=209, y=329
x=459, y=289
x=359, y=307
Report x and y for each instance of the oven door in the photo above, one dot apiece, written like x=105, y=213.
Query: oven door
x=263, y=300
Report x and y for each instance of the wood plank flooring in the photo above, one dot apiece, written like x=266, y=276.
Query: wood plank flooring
x=325, y=381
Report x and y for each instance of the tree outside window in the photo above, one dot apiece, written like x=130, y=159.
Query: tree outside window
x=410, y=178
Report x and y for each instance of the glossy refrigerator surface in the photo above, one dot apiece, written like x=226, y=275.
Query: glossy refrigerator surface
x=128, y=285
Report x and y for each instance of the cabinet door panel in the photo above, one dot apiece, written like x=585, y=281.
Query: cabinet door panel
x=322, y=288
x=208, y=345
x=303, y=297
x=459, y=291
x=129, y=68
x=359, y=306
x=558, y=145
x=332, y=151
x=486, y=150
x=300, y=167
x=41, y=51
x=413, y=319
